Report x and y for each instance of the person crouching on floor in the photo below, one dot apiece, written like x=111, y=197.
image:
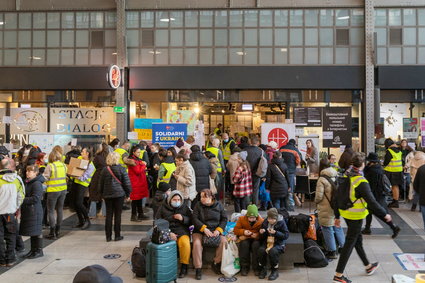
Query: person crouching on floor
x=273, y=235
x=248, y=230
x=179, y=216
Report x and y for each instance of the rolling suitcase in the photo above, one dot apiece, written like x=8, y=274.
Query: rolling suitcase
x=161, y=262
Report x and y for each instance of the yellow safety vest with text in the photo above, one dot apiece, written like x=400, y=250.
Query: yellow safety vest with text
x=395, y=164
x=226, y=150
x=57, y=181
x=215, y=151
x=170, y=167
x=87, y=182
x=121, y=152
x=216, y=130
x=359, y=209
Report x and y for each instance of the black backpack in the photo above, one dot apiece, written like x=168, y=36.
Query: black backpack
x=138, y=262
x=385, y=185
x=298, y=223
x=313, y=255
x=341, y=198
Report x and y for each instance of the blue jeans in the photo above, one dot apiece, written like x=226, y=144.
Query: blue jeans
x=291, y=177
x=423, y=214
x=330, y=233
x=279, y=203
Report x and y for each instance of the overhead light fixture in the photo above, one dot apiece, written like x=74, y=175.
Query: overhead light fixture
x=240, y=53
x=196, y=109
x=165, y=18
x=1, y=23
x=155, y=52
x=343, y=18
x=35, y=57
x=114, y=53
x=284, y=50
x=222, y=111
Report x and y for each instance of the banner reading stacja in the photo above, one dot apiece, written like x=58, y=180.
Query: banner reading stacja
x=278, y=132
x=167, y=134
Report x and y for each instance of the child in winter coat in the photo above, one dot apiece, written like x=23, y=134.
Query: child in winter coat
x=273, y=235
x=163, y=191
x=242, y=190
x=248, y=230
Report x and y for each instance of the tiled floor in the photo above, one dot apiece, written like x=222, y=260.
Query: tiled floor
x=77, y=249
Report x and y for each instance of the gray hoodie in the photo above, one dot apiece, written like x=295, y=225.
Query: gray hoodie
x=11, y=192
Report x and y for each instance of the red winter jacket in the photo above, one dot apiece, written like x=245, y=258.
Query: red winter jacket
x=138, y=180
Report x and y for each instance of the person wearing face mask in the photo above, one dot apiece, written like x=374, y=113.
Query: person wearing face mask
x=179, y=217
x=248, y=229
x=209, y=219
x=227, y=146
x=273, y=234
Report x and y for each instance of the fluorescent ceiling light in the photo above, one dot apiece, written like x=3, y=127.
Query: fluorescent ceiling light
x=343, y=18
x=155, y=52
x=241, y=53
x=114, y=53
x=167, y=20
x=35, y=58
x=283, y=49
x=1, y=23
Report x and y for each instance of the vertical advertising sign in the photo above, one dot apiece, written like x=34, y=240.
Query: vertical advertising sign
x=410, y=128
x=337, y=126
x=167, y=134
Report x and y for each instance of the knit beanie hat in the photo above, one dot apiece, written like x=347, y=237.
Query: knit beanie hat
x=252, y=210
x=243, y=155
x=272, y=213
x=163, y=187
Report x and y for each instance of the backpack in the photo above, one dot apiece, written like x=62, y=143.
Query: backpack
x=262, y=166
x=385, y=184
x=138, y=262
x=341, y=198
x=161, y=232
x=313, y=255
x=298, y=223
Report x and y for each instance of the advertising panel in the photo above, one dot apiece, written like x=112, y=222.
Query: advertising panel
x=167, y=134
x=410, y=128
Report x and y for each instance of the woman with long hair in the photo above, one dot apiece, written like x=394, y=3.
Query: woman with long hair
x=312, y=157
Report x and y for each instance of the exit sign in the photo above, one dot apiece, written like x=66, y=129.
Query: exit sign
x=118, y=109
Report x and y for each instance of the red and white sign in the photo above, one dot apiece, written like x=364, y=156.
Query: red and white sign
x=114, y=76
x=278, y=132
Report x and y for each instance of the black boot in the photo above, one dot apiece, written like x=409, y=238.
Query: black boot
x=52, y=234
x=366, y=231
x=396, y=230
x=78, y=225
x=57, y=230
x=142, y=215
x=198, y=274
x=38, y=250
x=86, y=225
x=33, y=245
x=244, y=270
x=413, y=208
x=263, y=272
x=274, y=274
x=393, y=204
x=134, y=218
x=183, y=271
x=216, y=267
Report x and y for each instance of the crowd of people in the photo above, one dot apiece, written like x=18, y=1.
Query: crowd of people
x=188, y=185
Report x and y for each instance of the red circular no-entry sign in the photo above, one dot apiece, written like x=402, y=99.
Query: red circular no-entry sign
x=278, y=135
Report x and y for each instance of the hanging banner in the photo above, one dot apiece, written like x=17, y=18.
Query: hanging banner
x=278, y=132
x=82, y=121
x=167, y=134
x=183, y=116
x=28, y=120
x=410, y=128
x=337, y=127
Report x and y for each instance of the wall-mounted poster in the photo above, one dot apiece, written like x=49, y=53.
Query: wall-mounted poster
x=337, y=126
x=183, y=116
x=28, y=120
x=410, y=128
x=393, y=119
x=308, y=116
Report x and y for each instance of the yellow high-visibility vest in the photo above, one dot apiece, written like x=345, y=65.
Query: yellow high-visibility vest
x=395, y=164
x=57, y=181
x=121, y=152
x=170, y=167
x=359, y=209
x=215, y=151
x=226, y=150
x=87, y=182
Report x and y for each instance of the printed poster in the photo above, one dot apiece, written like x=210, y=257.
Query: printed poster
x=143, y=127
x=337, y=126
x=393, y=119
x=278, y=132
x=410, y=128
x=167, y=134
x=183, y=116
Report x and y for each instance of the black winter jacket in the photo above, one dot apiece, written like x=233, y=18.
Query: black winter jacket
x=277, y=179
x=167, y=212
x=31, y=209
x=99, y=162
x=280, y=237
x=419, y=184
x=203, y=169
x=110, y=187
x=373, y=173
x=213, y=217
x=253, y=158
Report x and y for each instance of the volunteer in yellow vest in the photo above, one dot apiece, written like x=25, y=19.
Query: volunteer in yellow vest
x=166, y=169
x=227, y=146
x=123, y=152
x=217, y=131
x=393, y=168
x=363, y=202
x=55, y=176
x=80, y=188
x=211, y=137
x=221, y=168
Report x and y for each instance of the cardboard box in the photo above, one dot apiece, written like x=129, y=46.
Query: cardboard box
x=76, y=167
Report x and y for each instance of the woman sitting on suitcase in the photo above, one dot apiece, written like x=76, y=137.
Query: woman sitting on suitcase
x=179, y=217
x=209, y=219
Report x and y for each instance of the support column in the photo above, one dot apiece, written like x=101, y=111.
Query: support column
x=368, y=99
x=121, y=93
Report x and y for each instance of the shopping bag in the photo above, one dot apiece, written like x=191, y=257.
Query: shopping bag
x=264, y=194
x=230, y=260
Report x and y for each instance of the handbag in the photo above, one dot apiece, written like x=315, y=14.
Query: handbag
x=113, y=175
x=230, y=264
x=213, y=188
x=161, y=232
x=211, y=242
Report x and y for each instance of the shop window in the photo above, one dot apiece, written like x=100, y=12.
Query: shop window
x=147, y=37
x=342, y=37
x=395, y=36
x=97, y=39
